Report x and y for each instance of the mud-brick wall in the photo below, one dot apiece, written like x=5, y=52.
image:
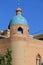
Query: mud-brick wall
x=33, y=48
x=4, y=44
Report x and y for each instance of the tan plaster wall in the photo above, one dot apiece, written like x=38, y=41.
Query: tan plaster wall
x=18, y=53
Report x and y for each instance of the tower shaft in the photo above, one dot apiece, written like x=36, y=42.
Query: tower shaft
x=18, y=44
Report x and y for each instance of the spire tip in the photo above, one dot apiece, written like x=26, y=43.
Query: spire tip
x=18, y=3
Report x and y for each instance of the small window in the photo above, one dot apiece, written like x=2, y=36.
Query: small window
x=38, y=60
x=20, y=30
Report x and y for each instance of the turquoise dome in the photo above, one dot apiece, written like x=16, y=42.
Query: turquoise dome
x=18, y=19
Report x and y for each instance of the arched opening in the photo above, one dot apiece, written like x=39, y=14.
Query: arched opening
x=20, y=30
x=38, y=59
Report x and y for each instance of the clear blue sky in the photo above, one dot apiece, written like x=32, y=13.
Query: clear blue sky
x=32, y=11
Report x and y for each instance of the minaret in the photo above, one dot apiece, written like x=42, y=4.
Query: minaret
x=19, y=33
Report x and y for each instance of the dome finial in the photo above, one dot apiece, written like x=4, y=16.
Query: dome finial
x=18, y=10
x=18, y=3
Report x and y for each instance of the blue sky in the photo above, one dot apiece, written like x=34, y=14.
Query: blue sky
x=32, y=11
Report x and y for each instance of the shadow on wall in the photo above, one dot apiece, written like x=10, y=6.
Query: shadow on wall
x=41, y=63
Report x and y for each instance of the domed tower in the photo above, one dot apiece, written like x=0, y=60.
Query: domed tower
x=19, y=33
x=19, y=24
